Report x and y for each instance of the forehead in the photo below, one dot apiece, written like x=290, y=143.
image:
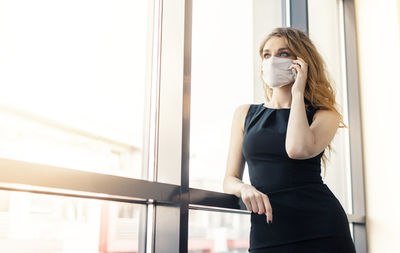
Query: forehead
x=274, y=43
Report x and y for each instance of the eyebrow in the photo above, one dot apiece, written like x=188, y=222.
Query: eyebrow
x=280, y=49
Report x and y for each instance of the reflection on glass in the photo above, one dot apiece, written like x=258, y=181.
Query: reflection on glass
x=224, y=75
x=72, y=81
x=218, y=232
x=52, y=224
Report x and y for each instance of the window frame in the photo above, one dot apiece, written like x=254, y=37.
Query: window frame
x=161, y=198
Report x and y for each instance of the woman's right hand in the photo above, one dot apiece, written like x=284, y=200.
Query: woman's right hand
x=256, y=201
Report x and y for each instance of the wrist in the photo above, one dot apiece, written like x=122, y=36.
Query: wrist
x=241, y=188
x=297, y=94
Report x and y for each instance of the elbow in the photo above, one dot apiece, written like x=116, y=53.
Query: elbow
x=297, y=153
x=292, y=154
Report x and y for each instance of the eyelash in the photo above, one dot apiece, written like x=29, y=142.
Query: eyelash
x=281, y=53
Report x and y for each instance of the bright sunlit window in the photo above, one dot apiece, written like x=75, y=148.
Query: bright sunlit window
x=72, y=76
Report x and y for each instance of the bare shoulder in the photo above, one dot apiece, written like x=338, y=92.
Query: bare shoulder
x=327, y=115
x=240, y=115
x=242, y=109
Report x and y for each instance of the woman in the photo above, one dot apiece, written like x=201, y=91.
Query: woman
x=283, y=141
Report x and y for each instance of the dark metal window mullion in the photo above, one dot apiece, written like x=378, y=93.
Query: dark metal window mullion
x=299, y=14
x=184, y=200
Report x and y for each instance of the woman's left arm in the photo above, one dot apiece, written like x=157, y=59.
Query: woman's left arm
x=304, y=141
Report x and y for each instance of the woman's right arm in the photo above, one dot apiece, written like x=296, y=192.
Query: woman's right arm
x=254, y=200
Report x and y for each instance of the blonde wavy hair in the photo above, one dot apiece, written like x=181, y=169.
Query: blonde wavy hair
x=318, y=92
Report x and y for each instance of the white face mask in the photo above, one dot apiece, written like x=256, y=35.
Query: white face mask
x=276, y=72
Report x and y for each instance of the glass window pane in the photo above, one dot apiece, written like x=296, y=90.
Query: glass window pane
x=224, y=69
x=53, y=224
x=72, y=81
x=326, y=33
x=211, y=231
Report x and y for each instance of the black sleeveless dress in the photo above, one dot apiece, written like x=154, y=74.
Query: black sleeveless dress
x=307, y=217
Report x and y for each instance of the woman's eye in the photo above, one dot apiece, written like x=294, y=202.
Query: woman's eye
x=287, y=54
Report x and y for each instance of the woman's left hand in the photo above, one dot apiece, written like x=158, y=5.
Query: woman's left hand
x=301, y=77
